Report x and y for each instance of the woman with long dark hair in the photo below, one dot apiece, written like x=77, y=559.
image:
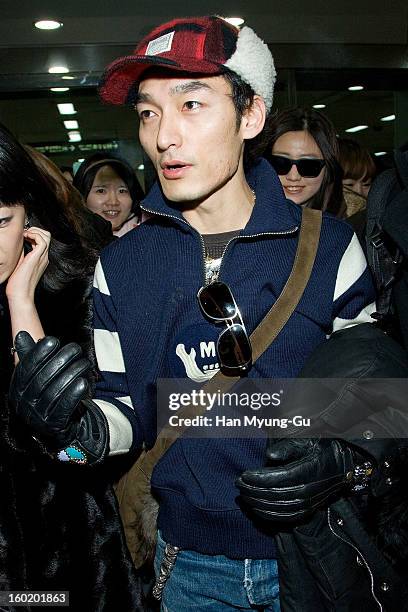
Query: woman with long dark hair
x=304, y=152
x=110, y=189
x=59, y=524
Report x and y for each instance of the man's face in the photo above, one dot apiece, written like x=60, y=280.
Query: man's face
x=188, y=129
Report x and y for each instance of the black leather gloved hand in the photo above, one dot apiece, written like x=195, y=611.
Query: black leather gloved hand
x=48, y=391
x=302, y=476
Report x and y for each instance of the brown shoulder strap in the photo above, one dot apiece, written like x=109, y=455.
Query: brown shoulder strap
x=272, y=323
x=264, y=334
x=279, y=314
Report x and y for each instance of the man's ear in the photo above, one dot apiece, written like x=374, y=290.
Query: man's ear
x=253, y=119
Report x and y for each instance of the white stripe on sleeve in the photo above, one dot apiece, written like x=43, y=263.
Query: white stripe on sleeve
x=108, y=351
x=99, y=279
x=127, y=400
x=364, y=316
x=352, y=265
x=120, y=430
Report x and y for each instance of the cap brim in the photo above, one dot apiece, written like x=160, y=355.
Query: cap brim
x=117, y=82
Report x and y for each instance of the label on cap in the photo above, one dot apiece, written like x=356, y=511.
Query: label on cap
x=160, y=45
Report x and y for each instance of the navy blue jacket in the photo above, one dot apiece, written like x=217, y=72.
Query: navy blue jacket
x=148, y=325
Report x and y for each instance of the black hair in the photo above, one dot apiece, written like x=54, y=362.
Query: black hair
x=242, y=94
x=330, y=195
x=22, y=183
x=85, y=176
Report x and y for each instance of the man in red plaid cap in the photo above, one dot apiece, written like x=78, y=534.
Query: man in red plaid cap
x=220, y=230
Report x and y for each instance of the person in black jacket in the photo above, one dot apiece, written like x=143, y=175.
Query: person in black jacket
x=59, y=524
x=339, y=501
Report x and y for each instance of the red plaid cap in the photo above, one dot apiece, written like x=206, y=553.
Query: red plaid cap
x=203, y=45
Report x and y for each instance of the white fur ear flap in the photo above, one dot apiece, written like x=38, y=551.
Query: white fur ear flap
x=253, y=62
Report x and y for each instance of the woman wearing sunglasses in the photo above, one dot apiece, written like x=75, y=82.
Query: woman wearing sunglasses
x=304, y=152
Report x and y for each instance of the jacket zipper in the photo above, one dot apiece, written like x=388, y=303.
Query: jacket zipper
x=360, y=555
x=154, y=212
x=285, y=233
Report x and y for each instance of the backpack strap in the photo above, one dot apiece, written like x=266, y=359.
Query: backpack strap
x=384, y=264
x=282, y=309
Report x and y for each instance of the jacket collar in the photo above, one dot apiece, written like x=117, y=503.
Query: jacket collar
x=272, y=211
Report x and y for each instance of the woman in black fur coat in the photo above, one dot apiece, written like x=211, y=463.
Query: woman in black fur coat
x=59, y=524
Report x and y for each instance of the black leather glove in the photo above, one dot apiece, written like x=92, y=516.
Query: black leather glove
x=48, y=392
x=303, y=475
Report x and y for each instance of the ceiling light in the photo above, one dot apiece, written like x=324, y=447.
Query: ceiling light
x=68, y=77
x=74, y=136
x=379, y=153
x=59, y=89
x=140, y=167
x=319, y=106
x=357, y=128
x=71, y=124
x=388, y=118
x=235, y=21
x=58, y=69
x=66, y=109
x=48, y=24
x=355, y=88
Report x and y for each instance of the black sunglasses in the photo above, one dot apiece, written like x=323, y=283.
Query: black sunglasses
x=308, y=168
x=233, y=345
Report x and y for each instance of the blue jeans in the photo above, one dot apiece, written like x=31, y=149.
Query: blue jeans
x=216, y=583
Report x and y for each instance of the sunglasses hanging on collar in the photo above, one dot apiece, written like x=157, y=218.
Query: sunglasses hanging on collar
x=233, y=345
